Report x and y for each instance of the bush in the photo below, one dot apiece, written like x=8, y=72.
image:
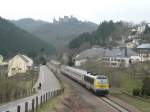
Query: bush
x=42, y=61
x=17, y=86
x=70, y=61
x=136, y=92
x=146, y=87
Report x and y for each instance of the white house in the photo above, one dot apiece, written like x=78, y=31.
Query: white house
x=1, y=59
x=139, y=29
x=144, y=51
x=79, y=62
x=136, y=59
x=118, y=57
x=19, y=64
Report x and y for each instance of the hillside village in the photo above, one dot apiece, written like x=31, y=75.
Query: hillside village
x=131, y=49
x=74, y=56
x=115, y=57
x=125, y=52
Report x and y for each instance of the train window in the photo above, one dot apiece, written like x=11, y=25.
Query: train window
x=89, y=79
x=101, y=77
x=95, y=74
x=76, y=74
x=89, y=73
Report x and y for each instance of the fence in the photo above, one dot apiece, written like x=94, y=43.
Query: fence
x=31, y=103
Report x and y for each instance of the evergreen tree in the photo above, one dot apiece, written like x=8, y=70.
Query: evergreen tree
x=101, y=35
x=14, y=40
x=146, y=87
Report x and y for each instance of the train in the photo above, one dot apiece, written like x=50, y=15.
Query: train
x=98, y=84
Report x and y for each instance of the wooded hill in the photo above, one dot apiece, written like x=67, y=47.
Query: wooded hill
x=145, y=36
x=58, y=33
x=105, y=35
x=15, y=40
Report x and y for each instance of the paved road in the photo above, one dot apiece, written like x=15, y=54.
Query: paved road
x=49, y=83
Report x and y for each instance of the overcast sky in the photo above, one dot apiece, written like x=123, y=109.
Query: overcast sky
x=89, y=10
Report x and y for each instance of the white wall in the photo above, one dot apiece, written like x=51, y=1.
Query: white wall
x=80, y=62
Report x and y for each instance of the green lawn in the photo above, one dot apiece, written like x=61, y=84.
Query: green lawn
x=51, y=105
x=139, y=104
x=124, y=80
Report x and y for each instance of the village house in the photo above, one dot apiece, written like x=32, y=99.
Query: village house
x=19, y=64
x=136, y=59
x=118, y=57
x=143, y=51
x=1, y=59
x=131, y=43
x=139, y=29
x=79, y=62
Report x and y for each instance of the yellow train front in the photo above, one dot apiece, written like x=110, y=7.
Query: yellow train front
x=101, y=85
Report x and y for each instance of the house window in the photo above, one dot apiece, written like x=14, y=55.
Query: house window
x=19, y=69
x=115, y=63
x=122, y=60
x=13, y=69
x=89, y=79
x=119, y=60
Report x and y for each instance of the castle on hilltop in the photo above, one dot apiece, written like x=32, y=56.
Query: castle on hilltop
x=65, y=19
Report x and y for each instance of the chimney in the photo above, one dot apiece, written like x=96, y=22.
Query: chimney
x=125, y=52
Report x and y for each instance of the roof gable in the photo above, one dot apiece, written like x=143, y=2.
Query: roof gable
x=23, y=57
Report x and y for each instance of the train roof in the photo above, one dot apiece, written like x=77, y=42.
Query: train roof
x=95, y=75
x=76, y=70
x=90, y=74
x=101, y=76
x=55, y=62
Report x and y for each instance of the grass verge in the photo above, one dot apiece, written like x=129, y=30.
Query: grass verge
x=18, y=86
x=139, y=104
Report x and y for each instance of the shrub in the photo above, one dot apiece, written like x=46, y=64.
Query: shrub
x=146, y=87
x=136, y=92
x=42, y=61
x=17, y=86
x=70, y=61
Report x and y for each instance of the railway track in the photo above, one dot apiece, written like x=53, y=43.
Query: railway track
x=114, y=104
x=107, y=104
